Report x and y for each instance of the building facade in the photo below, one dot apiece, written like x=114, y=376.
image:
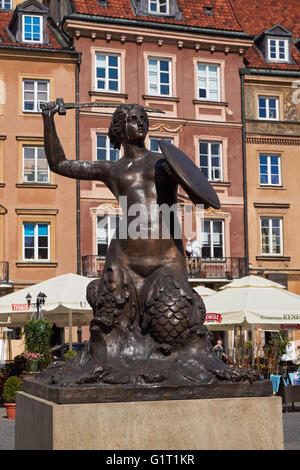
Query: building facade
x=37, y=207
x=271, y=110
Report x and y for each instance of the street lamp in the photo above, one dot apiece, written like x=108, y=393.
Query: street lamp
x=40, y=300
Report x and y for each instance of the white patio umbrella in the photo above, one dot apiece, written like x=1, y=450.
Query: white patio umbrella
x=204, y=291
x=65, y=303
x=253, y=300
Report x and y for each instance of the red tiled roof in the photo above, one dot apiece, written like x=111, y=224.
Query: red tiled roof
x=5, y=17
x=254, y=59
x=192, y=12
x=256, y=16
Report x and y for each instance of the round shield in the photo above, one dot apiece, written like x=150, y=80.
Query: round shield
x=190, y=177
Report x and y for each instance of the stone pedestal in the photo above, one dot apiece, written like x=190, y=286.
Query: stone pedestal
x=207, y=424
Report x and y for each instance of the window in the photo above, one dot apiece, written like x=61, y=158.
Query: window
x=271, y=236
x=268, y=108
x=32, y=28
x=278, y=50
x=213, y=239
x=107, y=73
x=5, y=4
x=159, y=76
x=36, y=243
x=106, y=226
x=35, y=165
x=210, y=156
x=159, y=6
x=105, y=150
x=269, y=169
x=35, y=93
x=154, y=147
x=208, y=82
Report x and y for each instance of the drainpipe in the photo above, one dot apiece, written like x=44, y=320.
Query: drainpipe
x=246, y=240
x=77, y=158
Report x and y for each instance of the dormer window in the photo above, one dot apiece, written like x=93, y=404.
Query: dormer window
x=5, y=5
x=28, y=23
x=163, y=8
x=160, y=7
x=278, y=50
x=32, y=28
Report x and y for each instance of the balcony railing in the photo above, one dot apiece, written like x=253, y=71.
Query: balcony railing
x=4, y=271
x=92, y=265
x=224, y=268
x=198, y=268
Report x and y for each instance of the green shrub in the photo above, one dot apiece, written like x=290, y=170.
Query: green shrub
x=37, y=339
x=11, y=387
x=70, y=354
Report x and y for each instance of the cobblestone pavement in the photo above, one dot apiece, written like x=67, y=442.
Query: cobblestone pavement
x=291, y=427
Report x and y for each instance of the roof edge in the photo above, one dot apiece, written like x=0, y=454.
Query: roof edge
x=150, y=24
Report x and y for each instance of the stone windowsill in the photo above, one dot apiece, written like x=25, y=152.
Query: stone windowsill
x=170, y=99
x=210, y=103
x=36, y=185
x=273, y=258
x=108, y=94
x=36, y=264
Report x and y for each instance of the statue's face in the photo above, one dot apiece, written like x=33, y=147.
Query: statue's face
x=136, y=126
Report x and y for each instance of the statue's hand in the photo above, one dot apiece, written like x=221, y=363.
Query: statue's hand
x=169, y=171
x=49, y=109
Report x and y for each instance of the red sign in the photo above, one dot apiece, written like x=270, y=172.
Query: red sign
x=290, y=327
x=20, y=307
x=213, y=317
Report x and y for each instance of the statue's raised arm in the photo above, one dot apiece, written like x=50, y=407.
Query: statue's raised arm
x=58, y=163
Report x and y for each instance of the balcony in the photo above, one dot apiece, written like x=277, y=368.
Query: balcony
x=4, y=272
x=217, y=269
x=210, y=268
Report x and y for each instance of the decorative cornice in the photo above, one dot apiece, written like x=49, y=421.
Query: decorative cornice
x=272, y=141
x=271, y=205
x=165, y=127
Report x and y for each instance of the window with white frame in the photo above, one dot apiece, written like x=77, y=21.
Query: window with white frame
x=278, y=50
x=36, y=241
x=35, y=93
x=159, y=76
x=5, y=5
x=213, y=239
x=106, y=226
x=35, y=165
x=269, y=169
x=210, y=160
x=271, y=235
x=268, y=108
x=208, y=82
x=153, y=141
x=108, y=74
x=105, y=150
x=159, y=6
x=32, y=28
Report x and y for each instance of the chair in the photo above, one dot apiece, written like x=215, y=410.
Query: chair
x=289, y=393
x=275, y=379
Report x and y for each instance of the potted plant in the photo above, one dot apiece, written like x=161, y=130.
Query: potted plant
x=33, y=360
x=11, y=387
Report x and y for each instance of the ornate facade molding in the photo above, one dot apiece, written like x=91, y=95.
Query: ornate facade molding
x=272, y=141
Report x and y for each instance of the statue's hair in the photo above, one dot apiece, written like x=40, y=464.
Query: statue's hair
x=116, y=131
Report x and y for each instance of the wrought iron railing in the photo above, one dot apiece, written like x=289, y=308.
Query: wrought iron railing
x=92, y=265
x=224, y=268
x=198, y=268
x=4, y=271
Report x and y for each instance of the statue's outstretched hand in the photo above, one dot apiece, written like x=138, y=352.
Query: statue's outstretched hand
x=49, y=109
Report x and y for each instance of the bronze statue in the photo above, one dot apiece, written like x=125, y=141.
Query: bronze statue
x=148, y=328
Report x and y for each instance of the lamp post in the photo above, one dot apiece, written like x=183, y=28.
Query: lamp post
x=40, y=300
